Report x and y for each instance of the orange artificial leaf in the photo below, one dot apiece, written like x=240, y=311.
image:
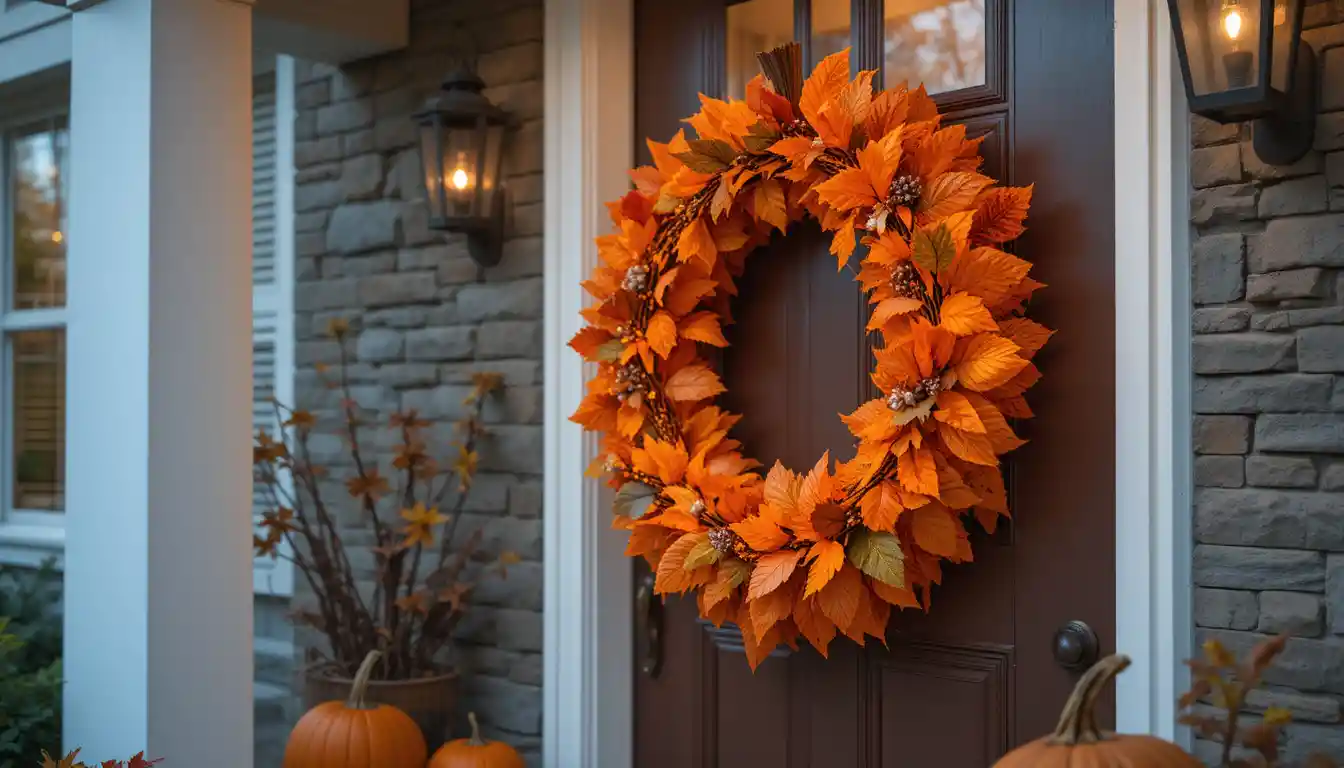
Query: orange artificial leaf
x=934, y=530
x=670, y=459
x=842, y=245
x=828, y=521
x=588, y=341
x=629, y=418
x=988, y=273
x=827, y=559
x=771, y=572
x=781, y=489
x=847, y=190
x=697, y=244
x=987, y=482
x=1001, y=436
x=768, y=204
x=889, y=308
x=901, y=597
x=729, y=575
x=839, y=599
x=826, y=81
x=986, y=361
x=597, y=412
x=1028, y=335
x=964, y=314
x=662, y=333
x=917, y=472
x=968, y=446
x=951, y=193
x=770, y=608
x=881, y=506
x=692, y=383
x=664, y=282
x=685, y=294
x=672, y=576
x=999, y=215
x=816, y=486
x=761, y=533
x=704, y=327
x=955, y=410
x=815, y=625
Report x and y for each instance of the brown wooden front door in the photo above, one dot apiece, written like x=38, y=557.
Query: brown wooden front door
x=958, y=687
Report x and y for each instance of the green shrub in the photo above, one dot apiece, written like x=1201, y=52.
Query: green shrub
x=30, y=667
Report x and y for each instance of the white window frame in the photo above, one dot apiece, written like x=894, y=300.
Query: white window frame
x=27, y=537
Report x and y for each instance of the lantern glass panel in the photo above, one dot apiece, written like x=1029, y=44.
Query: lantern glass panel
x=1286, y=26
x=490, y=166
x=431, y=164
x=1222, y=43
x=460, y=161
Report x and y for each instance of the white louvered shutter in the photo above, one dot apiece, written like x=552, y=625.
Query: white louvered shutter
x=272, y=291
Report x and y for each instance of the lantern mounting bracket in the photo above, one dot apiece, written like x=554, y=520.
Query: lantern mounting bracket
x=1286, y=136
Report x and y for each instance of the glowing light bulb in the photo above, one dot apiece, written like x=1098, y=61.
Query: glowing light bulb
x=460, y=180
x=1232, y=22
x=57, y=237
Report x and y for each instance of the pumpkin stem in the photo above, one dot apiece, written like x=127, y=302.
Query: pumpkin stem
x=361, y=685
x=476, y=740
x=1078, y=722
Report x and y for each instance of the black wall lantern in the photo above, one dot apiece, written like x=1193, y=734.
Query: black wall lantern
x=461, y=151
x=1246, y=60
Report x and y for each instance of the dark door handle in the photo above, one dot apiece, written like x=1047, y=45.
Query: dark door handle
x=649, y=627
x=1076, y=647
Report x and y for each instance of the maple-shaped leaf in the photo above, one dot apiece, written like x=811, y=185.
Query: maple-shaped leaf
x=878, y=554
x=829, y=77
x=588, y=341
x=697, y=244
x=881, y=506
x=761, y=533
x=951, y=193
x=935, y=531
x=704, y=327
x=839, y=599
x=781, y=489
x=890, y=308
x=988, y=273
x=999, y=215
x=815, y=625
x=771, y=572
x=692, y=383
x=662, y=333
x=985, y=361
x=633, y=500
x=827, y=559
x=964, y=314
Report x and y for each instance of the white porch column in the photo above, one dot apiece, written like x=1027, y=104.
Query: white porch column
x=158, y=567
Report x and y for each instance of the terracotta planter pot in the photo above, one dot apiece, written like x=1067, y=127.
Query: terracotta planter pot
x=430, y=701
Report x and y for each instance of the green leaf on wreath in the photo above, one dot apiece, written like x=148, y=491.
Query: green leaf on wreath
x=934, y=251
x=634, y=500
x=708, y=155
x=703, y=553
x=878, y=554
x=738, y=571
x=760, y=137
x=610, y=351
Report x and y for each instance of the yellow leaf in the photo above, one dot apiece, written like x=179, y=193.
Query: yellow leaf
x=827, y=558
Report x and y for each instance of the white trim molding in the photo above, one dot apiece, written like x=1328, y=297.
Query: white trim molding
x=1152, y=299
x=588, y=705
x=588, y=696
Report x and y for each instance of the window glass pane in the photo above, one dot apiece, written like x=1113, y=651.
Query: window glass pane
x=940, y=43
x=38, y=366
x=830, y=27
x=39, y=159
x=754, y=26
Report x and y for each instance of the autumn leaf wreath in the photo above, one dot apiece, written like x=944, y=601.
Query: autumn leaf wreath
x=833, y=549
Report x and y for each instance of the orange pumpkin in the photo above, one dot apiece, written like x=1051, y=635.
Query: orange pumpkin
x=1078, y=743
x=356, y=734
x=476, y=752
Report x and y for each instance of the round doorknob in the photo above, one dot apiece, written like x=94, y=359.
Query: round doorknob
x=1076, y=646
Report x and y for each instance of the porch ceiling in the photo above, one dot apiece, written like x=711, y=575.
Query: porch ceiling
x=332, y=31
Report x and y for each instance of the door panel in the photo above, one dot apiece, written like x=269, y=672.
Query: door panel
x=959, y=686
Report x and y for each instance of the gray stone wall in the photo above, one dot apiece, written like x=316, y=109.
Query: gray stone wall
x=424, y=320
x=1268, y=289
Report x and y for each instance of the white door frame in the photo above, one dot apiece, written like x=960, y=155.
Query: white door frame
x=588, y=684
